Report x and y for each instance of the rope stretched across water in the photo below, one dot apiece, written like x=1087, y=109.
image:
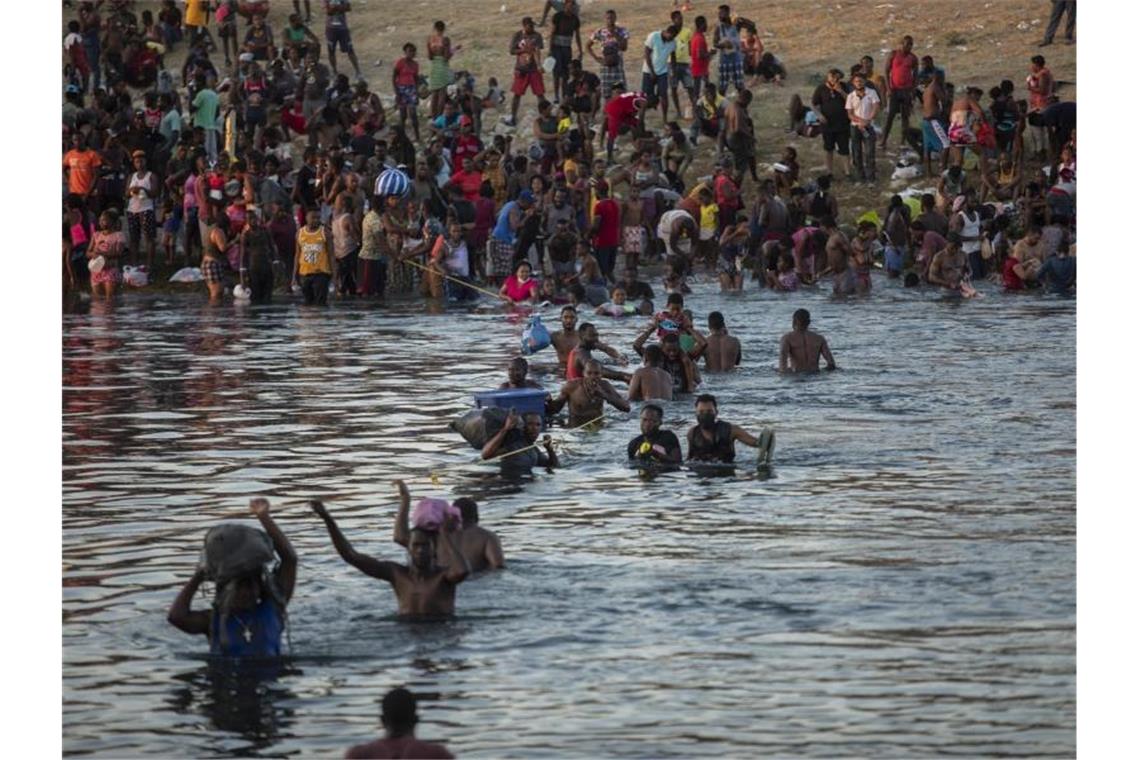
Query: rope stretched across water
x=453, y=279
x=536, y=444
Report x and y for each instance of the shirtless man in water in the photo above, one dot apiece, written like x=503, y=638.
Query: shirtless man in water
x=721, y=351
x=581, y=354
x=838, y=258
x=948, y=268
x=423, y=588
x=587, y=396
x=517, y=376
x=651, y=381
x=566, y=339
x=479, y=546
x=801, y=349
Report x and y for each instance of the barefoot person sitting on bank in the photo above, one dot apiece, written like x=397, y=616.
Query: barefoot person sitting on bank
x=424, y=589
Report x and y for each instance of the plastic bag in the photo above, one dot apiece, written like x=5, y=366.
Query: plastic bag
x=535, y=337
x=479, y=425
x=187, y=274
x=906, y=172
x=232, y=550
x=136, y=277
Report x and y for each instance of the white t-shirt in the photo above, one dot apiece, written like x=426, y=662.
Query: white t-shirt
x=143, y=201
x=665, y=226
x=456, y=261
x=863, y=107
x=661, y=50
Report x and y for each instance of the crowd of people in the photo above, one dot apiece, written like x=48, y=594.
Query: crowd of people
x=266, y=169
x=276, y=172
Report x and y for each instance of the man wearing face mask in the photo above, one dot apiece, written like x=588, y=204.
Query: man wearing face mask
x=587, y=396
x=713, y=440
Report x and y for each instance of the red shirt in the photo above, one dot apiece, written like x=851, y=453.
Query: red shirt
x=520, y=291
x=406, y=72
x=469, y=183
x=621, y=111
x=1009, y=277
x=901, y=70
x=466, y=146
x=698, y=48
x=721, y=189
x=609, y=232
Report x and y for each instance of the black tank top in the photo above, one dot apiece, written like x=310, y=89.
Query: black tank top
x=719, y=449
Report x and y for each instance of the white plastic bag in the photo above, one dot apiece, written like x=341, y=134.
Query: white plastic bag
x=136, y=277
x=187, y=274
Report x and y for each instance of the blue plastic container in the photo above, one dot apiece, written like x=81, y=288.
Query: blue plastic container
x=522, y=400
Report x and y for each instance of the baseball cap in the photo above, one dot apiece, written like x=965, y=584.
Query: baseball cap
x=526, y=196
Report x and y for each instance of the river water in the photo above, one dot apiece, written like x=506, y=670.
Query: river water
x=903, y=584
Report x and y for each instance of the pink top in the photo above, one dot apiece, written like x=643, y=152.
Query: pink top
x=190, y=193
x=520, y=291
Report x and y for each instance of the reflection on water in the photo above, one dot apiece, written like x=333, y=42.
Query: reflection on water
x=900, y=581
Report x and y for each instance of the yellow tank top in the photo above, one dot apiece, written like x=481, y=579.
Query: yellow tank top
x=197, y=13
x=314, y=252
x=709, y=216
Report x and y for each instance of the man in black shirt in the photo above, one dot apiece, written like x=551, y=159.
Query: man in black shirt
x=511, y=439
x=305, y=185
x=714, y=440
x=654, y=445
x=830, y=104
x=634, y=288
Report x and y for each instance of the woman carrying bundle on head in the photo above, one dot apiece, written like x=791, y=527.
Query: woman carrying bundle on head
x=247, y=617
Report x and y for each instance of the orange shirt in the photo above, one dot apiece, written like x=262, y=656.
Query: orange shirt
x=81, y=166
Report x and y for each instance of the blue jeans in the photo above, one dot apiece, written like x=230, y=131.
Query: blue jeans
x=92, y=49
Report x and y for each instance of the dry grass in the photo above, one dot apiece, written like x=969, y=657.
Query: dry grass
x=976, y=42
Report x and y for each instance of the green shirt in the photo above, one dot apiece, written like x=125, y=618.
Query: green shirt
x=206, y=109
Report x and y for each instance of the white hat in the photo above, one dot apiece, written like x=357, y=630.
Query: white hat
x=96, y=264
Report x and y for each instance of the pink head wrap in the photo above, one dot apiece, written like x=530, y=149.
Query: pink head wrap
x=431, y=514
